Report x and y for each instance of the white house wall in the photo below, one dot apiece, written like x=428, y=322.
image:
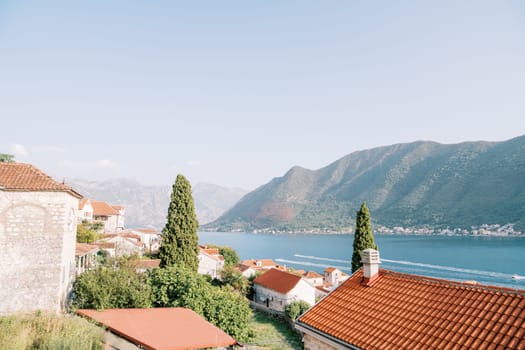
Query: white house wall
x=37, y=245
x=278, y=301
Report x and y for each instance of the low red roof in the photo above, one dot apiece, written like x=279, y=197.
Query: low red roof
x=330, y=269
x=255, y=263
x=162, y=328
x=146, y=263
x=26, y=177
x=401, y=311
x=84, y=248
x=278, y=280
x=312, y=274
x=102, y=209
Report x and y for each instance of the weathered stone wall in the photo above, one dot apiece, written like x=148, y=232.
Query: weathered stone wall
x=312, y=343
x=37, y=250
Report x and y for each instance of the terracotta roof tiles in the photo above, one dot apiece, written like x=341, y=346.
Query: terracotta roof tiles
x=26, y=177
x=161, y=328
x=102, y=209
x=84, y=248
x=278, y=280
x=399, y=311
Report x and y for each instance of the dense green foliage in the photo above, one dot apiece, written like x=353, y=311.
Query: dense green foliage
x=228, y=310
x=48, y=332
x=6, y=158
x=410, y=185
x=296, y=308
x=230, y=255
x=180, y=244
x=232, y=277
x=89, y=232
x=106, y=288
x=363, y=236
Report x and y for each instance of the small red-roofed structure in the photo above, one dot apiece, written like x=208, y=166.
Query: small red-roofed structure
x=159, y=328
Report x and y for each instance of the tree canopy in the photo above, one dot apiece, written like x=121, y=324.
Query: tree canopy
x=363, y=236
x=180, y=243
x=6, y=158
x=230, y=255
x=88, y=232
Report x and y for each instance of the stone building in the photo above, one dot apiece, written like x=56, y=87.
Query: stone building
x=37, y=240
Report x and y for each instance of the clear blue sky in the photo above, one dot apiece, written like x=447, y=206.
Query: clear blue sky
x=237, y=92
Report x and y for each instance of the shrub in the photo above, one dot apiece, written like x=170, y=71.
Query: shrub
x=296, y=308
x=106, y=288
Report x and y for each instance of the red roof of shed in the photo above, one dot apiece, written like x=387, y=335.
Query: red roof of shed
x=162, y=328
x=277, y=280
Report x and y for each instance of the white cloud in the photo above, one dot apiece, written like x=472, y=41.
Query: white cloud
x=193, y=162
x=106, y=164
x=18, y=150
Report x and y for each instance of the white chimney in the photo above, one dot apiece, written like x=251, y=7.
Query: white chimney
x=370, y=260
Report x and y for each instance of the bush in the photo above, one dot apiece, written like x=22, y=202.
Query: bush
x=228, y=310
x=296, y=308
x=232, y=277
x=107, y=288
x=46, y=331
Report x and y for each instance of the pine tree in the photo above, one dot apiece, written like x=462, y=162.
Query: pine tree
x=363, y=236
x=180, y=243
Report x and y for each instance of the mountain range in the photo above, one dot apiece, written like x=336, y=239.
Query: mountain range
x=414, y=184
x=147, y=206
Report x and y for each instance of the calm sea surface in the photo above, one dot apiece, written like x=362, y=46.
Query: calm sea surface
x=488, y=260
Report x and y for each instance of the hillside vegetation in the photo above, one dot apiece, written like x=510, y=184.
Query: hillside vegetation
x=414, y=184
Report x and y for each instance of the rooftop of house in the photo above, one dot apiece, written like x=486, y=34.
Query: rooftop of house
x=154, y=328
x=146, y=263
x=330, y=269
x=312, y=274
x=278, y=280
x=258, y=263
x=84, y=248
x=26, y=177
x=102, y=209
x=398, y=311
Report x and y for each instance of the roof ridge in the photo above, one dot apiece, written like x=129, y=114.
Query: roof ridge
x=452, y=283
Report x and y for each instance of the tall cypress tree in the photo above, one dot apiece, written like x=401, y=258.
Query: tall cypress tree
x=363, y=236
x=180, y=243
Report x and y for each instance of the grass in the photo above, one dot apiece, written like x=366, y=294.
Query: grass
x=273, y=333
x=47, y=331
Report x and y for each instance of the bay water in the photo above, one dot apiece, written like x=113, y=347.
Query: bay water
x=488, y=260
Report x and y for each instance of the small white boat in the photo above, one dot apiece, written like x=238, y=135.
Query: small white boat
x=517, y=277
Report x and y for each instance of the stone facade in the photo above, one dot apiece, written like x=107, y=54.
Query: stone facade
x=37, y=245
x=314, y=343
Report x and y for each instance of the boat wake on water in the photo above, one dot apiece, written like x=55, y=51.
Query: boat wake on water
x=427, y=269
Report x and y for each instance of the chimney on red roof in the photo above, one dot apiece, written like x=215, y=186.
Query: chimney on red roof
x=370, y=260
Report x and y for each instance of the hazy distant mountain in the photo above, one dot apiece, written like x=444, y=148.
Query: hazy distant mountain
x=148, y=205
x=413, y=184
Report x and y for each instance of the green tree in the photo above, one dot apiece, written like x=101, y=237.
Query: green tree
x=180, y=244
x=230, y=255
x=225, y=308
x=232, y=277
x=88, y=232
x=107, y=288
x=363, y=236
x=296, y=308
x=6, y=158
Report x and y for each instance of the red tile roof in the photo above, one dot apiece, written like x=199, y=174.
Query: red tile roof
x=84, y=248
x=262, y=263
x=330, y=269
x=82, y=203
x=312, y=274
x=278, y=280
x=400, y=311
x=146, y=263
x=26, y=177
x=102, y=209
x=162, y=328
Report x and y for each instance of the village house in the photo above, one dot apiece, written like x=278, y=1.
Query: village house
x=314, y=278
x=276, y=289
x=158, y=328
x=121, y=244
x=111, y=216
x=250, y=267
x=149, y=236
x=334, y=277
x=85, y=210
x=85, y=257
x=210, y=262
x=38, y=222
x=381, y=309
